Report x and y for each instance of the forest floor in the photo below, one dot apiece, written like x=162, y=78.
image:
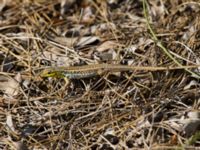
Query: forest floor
x=125, y=110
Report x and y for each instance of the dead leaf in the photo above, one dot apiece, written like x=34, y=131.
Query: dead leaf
x=65, y=5
x=9, y=122
x=106, y=46
x=9, y=85
x=75, y=41
x=20, y=145
x=88, y=16
x=57, y=59
x=191, y=126
x=69, y=42
x=3, y=3
x=192, y=83
x=101, y=28
x=87, y=40
x=158, y=8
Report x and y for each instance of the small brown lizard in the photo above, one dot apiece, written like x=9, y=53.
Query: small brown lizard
x=85, y=71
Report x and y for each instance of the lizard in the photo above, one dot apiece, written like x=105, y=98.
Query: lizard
x=86, y=71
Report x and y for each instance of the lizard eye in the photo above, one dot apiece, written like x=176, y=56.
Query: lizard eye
x=46, y=73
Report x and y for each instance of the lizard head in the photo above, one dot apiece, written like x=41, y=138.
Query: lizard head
x=51, y=73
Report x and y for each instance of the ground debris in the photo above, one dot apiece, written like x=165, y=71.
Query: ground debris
x=128, y=110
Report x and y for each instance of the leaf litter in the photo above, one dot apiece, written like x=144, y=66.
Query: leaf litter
x=130, y=110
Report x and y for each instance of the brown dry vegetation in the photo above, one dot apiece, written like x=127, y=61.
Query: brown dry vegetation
x=136, y=110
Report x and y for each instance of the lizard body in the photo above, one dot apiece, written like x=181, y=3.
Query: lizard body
x=85, y=71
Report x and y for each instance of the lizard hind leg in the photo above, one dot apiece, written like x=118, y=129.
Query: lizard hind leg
x=67, y=82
